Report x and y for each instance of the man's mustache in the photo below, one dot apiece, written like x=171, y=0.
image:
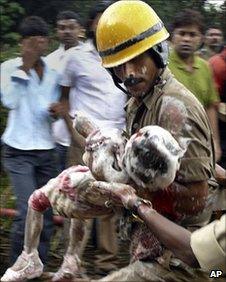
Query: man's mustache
x=131, y=81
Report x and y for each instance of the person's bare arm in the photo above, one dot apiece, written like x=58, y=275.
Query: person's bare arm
x=77, y=138
x=213, y=119
x=62, y=109
x=173, y=236
x=65, y=90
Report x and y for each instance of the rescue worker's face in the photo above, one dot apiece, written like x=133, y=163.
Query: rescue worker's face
x=186, y=40
x=68, y=32
x=138, y=74
x=214, y=38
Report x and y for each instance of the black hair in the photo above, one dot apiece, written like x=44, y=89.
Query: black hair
x=97, y=8
x=188, y=17
x=68, y=15
x=215, y=26
x=33, y=26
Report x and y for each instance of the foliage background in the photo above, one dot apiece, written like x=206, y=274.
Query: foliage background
x=13, y=11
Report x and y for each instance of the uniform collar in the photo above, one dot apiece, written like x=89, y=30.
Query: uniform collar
x=180, y=63
x=157, y=90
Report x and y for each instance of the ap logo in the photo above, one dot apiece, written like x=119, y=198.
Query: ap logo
x=215, y=273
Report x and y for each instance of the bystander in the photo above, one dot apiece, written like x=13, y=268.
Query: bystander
x=28, y=88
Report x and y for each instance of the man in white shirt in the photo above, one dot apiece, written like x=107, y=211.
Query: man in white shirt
x=97, y=95
x=70, y=32
x=28, y=88
x=101, y=101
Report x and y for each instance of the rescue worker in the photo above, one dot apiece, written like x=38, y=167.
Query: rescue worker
x=131, y=40
x=206, y=246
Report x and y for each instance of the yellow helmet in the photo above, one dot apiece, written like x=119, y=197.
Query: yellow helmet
x=126, y=29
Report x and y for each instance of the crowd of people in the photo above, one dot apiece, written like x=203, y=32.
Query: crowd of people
x=124, y=71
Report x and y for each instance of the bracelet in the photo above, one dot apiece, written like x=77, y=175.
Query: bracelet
x=136, y=206
x=108, y=204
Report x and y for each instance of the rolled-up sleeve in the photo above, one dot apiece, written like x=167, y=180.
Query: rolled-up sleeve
x=209, y=245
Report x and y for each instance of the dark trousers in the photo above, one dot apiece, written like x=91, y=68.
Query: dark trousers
x=29, y=170
x=61, y=152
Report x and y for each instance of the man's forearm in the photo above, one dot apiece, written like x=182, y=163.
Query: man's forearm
x=65, y=91
x=78, y=139
x=213, y=119
x=171, y=235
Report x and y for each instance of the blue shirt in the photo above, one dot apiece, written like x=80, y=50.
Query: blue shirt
x=28, y=98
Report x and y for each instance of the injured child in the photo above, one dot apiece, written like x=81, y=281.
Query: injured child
x=148, y=162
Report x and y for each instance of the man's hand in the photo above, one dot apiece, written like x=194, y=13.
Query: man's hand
x=30, y=51
x=59, y=109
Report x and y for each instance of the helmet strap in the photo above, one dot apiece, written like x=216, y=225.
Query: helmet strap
x=118, y=82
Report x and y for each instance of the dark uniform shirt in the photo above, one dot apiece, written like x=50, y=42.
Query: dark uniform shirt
x=173, y=107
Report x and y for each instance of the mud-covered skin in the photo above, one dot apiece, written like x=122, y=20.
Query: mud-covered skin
x=103, y=151
x=103, y=155
x=67, y=194
x=177, y=202
x=70, y=195
x=83, y=125
x=152, y=158
x=73, y=195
